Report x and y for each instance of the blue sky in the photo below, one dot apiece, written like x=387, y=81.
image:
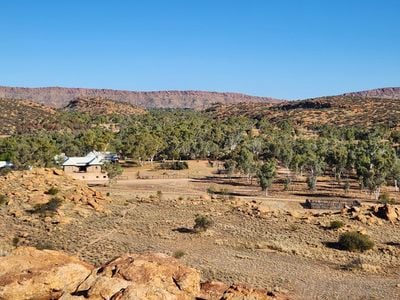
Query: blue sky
x=281, y=48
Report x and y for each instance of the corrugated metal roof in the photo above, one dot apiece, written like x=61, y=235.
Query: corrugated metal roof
x=93, y=158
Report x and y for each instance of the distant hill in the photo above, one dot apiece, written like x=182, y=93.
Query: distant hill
x=387, y=93
x=99, y=106
x=20, y=116
x=60, y=97
x=336, y=110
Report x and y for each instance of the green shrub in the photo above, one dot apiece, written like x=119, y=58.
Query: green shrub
x=176, y=165
x=355, y=241
x=211, y=190
x=386, y=199
x=202, y=223
x=179, y=254
x=49, y=207
x=311, y=182
x=3, y=199
x=45, y=245
x=336, y=224
x=52, y=191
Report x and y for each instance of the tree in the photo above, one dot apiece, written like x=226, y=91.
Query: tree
x=246, y=163
x=266, y=174
x=375, y=160
x=230, y=167
x=113, y=171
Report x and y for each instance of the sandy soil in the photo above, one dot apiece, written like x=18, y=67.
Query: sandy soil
x=281, y=251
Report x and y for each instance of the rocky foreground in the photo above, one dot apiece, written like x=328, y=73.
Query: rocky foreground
x=28, y=273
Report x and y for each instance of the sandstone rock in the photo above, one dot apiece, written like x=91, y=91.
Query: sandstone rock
x=25, y=189
x=213, y=290
x=28, y=273
x=58, y=172
x=363, y=219
x=143, y=276
x=241, y=292
x=386, y=212
x=295, y=214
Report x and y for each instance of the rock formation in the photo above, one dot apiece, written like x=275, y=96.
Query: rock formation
x=27, y=194
x=28, y=273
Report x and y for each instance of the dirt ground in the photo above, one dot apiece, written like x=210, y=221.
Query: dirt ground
x=284, y=250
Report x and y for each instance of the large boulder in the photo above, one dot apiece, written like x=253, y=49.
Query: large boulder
x=142, y=276
x=386, y=212
x=28, y=273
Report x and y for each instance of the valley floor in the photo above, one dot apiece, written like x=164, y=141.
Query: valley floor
x=282, y=250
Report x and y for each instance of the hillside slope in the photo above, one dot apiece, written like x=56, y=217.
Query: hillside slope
x=338, y=110
x=99, y=106
x=20, y=116
x=60, y=97
x=387, y=93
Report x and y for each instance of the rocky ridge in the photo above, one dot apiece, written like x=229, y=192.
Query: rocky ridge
x=388, y=93
x=341, y=111
x=28, y=273
x=60, y=97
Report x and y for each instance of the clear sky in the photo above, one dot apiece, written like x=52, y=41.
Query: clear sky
x=280, y=48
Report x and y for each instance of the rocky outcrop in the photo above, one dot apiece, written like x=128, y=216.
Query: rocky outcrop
x=28, y=273
x=367, y=214
x=142, y=276
x=48, y=192
x=387, y=212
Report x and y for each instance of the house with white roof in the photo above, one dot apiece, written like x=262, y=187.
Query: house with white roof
x=5, y=164
x=86, y=168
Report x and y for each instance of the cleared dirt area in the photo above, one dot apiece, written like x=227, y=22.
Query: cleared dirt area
x=285, y=247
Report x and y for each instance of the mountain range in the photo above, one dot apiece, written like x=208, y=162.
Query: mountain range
x=59, y=97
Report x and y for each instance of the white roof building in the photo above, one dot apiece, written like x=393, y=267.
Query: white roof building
x=5, y=164
x=92, y=159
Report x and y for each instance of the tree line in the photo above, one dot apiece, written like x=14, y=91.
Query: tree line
x=250, y=147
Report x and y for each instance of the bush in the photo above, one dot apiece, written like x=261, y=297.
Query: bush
x=311, y=182
x=49, y=207
x=178, y=254
x=336, y=224
x=3, y=199
x=202, y=223
x=355, y=241
x=176, y=165
x=52, y=191
x=211, y=190
x=385, y=199
x=45, y=245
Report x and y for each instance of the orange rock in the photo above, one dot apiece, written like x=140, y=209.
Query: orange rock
x=28, y=273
